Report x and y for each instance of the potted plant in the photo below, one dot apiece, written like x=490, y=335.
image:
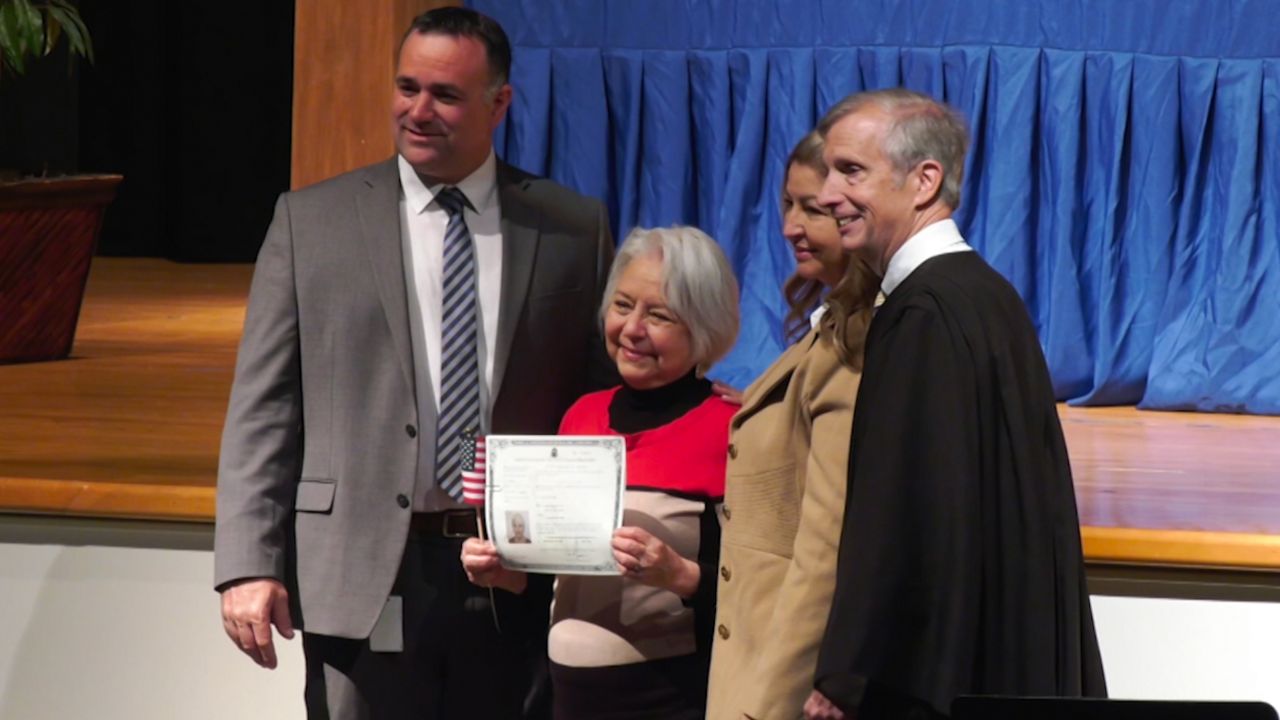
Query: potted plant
x=48, y=225
x=30, y=29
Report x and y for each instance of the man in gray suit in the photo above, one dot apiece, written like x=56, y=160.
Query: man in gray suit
x=337, y=506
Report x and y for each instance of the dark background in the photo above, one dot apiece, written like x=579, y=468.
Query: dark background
x=190, y=101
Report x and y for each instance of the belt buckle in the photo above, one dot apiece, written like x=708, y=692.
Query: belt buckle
x=461, y=516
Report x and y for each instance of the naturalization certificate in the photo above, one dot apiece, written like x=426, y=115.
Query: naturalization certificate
x=552, y=502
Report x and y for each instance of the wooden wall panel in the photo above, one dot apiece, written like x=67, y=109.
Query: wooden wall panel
x=344, y=61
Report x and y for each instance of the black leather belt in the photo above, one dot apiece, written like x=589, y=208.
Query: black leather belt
x=446, y=523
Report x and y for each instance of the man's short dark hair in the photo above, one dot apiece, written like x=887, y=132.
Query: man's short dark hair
x=465, y=22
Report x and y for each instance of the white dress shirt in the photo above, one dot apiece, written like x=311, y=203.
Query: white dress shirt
x=939, y=238
x=423, y=225
x=816, y=316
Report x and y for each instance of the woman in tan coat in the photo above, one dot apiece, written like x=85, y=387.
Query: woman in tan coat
x=788, y=457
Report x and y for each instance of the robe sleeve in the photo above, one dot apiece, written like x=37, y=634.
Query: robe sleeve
x=899, y=624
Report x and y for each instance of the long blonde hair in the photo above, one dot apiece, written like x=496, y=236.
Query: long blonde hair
x=849, y=307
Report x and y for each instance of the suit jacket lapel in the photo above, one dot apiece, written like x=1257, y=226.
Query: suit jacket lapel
x=520, y=233
x=777, y=373
x=378, y=205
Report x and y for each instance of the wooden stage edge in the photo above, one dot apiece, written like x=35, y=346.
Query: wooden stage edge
x=128, y=428
x=118, y=500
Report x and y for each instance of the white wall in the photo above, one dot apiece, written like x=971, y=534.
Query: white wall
x=110, y=620
x=1190, y=649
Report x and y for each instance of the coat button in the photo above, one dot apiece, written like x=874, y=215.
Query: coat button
x=724, y=632
x=727, y=514
x=733, y=451
x=411, y=431
x=402, y=500
x=724, y=572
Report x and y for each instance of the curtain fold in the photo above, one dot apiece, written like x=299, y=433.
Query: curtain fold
x=1124, y=172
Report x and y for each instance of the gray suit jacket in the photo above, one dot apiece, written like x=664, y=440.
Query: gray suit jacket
x=320, y=446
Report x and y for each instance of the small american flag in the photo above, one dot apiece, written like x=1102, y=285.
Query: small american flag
x=473, y=469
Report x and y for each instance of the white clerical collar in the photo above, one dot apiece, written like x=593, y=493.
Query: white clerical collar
x=936, y=239
x=479, y=187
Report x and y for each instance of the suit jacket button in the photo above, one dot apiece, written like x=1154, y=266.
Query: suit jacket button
x=411, y=431
x=733, y=451
x=724, y=572
x=402, y=500
x=724, y=632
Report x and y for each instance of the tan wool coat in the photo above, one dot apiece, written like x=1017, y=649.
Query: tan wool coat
x=783, y=510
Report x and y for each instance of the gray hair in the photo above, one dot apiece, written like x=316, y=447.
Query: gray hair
x=921, y=129
x=697, y=281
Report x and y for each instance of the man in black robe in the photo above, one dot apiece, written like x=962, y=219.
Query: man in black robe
x=960, y=567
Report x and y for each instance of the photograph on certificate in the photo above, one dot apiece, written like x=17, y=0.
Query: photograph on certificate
x=552, y=502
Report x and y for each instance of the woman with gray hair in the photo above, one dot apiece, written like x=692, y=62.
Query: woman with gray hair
x=638, y=645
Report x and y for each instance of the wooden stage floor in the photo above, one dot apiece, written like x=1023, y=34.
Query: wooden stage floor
x=129, y=427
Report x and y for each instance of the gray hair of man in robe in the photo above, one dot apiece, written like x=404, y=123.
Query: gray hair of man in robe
x=922, y=129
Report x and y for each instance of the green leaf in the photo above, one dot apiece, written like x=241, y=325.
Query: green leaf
x=15, y=63
x=52, y=31
x=77, y=33
x=29, y=24
x=11, y=38
x=59, y=16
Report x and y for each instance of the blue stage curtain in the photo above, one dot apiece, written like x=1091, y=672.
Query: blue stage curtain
x=1124, y=171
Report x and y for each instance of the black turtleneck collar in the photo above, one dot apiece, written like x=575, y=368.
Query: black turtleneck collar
x=634, y=410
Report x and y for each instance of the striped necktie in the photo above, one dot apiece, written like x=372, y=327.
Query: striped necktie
x=459, y=402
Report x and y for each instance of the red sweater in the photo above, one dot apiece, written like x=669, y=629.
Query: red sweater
x=684, y=457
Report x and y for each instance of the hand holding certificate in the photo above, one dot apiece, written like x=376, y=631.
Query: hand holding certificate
x=552, y=503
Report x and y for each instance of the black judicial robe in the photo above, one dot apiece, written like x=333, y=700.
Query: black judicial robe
x=960, y=567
